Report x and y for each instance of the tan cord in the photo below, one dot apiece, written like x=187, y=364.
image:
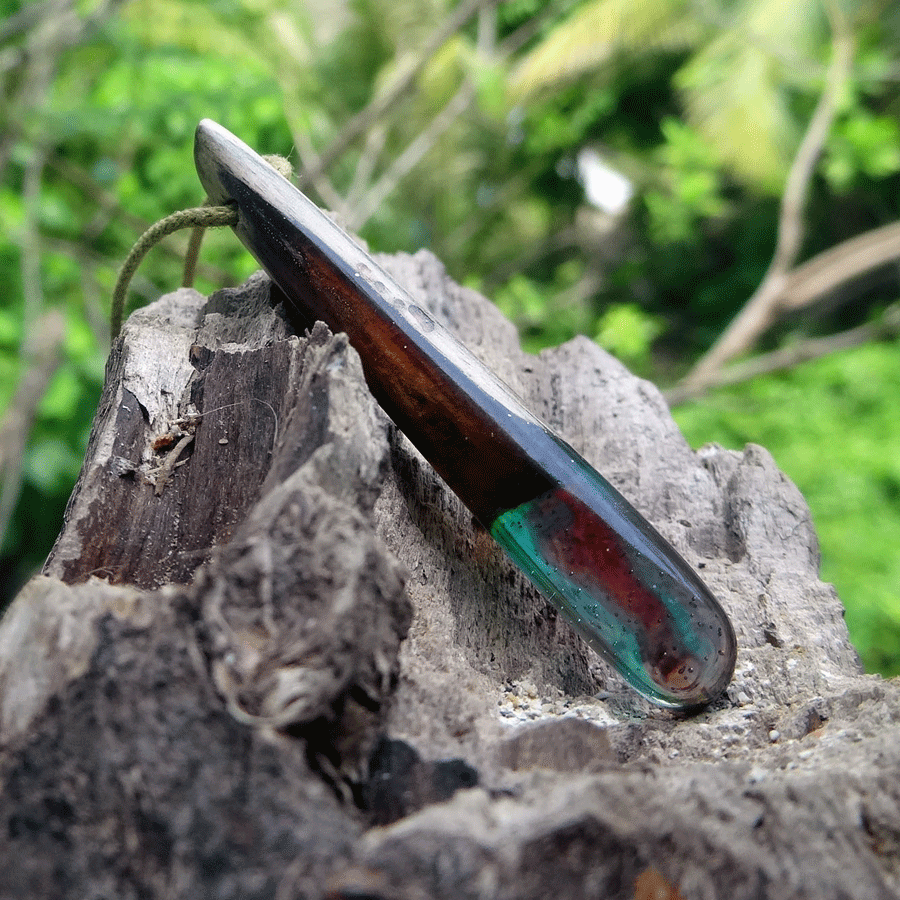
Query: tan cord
x=193, y=253
x=281, y=165
x=200, y=217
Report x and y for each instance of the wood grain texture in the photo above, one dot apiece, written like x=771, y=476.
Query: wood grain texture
x=456, y=412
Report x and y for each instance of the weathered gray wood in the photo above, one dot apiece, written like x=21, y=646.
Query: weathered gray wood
x=140, y=514
x=238, y=730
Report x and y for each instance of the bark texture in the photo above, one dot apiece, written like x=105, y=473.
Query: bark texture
x=271, y=656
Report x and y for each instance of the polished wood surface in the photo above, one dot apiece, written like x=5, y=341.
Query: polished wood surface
x=488, y=447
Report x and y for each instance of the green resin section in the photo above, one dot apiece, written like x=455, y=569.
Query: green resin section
x=668, y=643
x=602, y=630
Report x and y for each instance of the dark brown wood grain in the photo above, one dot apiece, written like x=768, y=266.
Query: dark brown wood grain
x=173, y=488
x=466, y=422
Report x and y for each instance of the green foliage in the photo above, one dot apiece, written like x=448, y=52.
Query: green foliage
x=700, y=105
x=596, y=33
x=558, y=125
x=738, y=87
x=544, y=322
x=628, y=332
x=737, y=81
x=121, y=114
x=693, y=189
x=834, y=426
x=863, y=145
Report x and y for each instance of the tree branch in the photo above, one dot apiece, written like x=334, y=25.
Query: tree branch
x=376, y=138
x=380, y=104
x=410, y=157
x=762, y=308
x=887, y=328
x=824, y=272
x=30, y=240
x=42, y=357
x=357, y=207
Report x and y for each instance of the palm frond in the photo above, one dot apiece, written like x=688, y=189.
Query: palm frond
x=600, y=30
x=737, y=89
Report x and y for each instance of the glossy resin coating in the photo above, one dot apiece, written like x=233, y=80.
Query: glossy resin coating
x=620, y=584
x=625, y=590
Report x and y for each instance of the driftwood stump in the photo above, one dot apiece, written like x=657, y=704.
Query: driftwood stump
x=272, y=657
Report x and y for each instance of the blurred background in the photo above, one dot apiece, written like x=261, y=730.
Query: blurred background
x=708, y=188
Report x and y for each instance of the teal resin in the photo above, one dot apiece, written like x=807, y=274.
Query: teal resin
x=623, y=588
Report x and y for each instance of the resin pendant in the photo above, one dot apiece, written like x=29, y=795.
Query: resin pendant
x=608, y=571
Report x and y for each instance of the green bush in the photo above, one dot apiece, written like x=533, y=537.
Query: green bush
x=833, y=426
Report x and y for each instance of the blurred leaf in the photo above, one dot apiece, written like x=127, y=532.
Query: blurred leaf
x=11, y=210
x=205, y=29
x=80, y=341
x=51, y=463
x=521, y=300
x=490, y=82
x=596, y=32
x=689, y=171
x=9, y=378
x=628, y=332
x=736, y=88
x=564, y=124
x=441, y=77
x=62, y=395
x=10, y=329
x=862, y=144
